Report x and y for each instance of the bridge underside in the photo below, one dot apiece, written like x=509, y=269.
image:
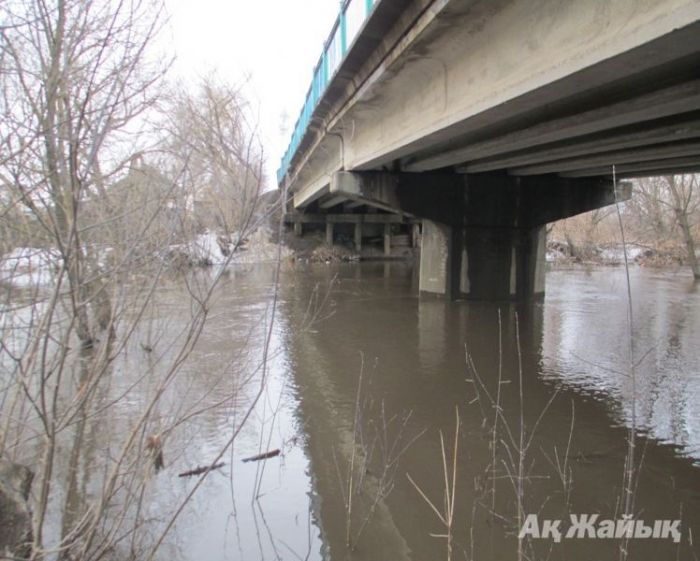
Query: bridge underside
x=499, y=116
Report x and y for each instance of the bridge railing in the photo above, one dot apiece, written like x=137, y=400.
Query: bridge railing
x=353, y=14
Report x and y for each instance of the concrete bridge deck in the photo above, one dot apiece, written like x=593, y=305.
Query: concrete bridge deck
x=489, y=118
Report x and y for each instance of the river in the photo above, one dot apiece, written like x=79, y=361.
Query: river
x=368, y=390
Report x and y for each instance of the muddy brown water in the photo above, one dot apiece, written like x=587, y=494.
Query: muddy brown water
x=364, y=378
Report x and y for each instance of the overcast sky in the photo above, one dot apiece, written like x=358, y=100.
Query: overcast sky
x=274, y=42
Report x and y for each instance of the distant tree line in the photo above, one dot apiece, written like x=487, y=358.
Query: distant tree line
x=663, y=217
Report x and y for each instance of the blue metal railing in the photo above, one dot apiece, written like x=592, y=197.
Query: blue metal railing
x=353, y=13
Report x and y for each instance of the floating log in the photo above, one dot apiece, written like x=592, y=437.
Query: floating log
x=199, y=470
x=264, y=456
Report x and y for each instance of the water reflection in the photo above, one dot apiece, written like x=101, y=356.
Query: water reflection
x=586, y=342
x=250, y=510
x=413, y=358
x=363, y=379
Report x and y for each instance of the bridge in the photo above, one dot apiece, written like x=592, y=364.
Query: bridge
x=487, y=119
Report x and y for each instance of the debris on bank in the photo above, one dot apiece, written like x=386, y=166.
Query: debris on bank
x=326, y=254
x=313, y=248
x=561, y=253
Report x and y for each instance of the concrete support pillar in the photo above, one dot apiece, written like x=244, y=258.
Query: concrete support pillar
x=298, y=229
x=482, y=263
x=415, y=235
x=490, y=248
x=436, y=260
x=329, y=234
x=501, y=263
x=387, y=239
x=358, y=236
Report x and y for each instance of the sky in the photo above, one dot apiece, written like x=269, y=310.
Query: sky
x=273, y=44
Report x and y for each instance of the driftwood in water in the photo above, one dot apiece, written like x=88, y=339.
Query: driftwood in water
x=199, y=470
x=264, y=456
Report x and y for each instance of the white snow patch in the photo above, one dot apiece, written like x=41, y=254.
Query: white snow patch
x=210, y=248
x=554, y=255
x=616, y=254
x=29, y=267
x=206, y=248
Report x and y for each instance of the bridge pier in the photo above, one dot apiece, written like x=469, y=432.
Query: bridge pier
x=436, y=259
x=387, y=240
x=493, y=247
x=483, y=234
x=483, y=263
x=358, y=236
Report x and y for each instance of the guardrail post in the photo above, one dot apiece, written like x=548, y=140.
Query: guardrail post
x=343, y=33
x=325, y=69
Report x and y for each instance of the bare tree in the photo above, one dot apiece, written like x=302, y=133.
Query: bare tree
x=647, y=215
x=685, y=195
x=210, y=136
x=75, y=79
x=664, y=211
x=78, y=82
x=584, y=232
x=662, y=216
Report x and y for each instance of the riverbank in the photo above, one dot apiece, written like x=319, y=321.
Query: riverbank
x=612, y=254
x=313, y=248
x=27, y=267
